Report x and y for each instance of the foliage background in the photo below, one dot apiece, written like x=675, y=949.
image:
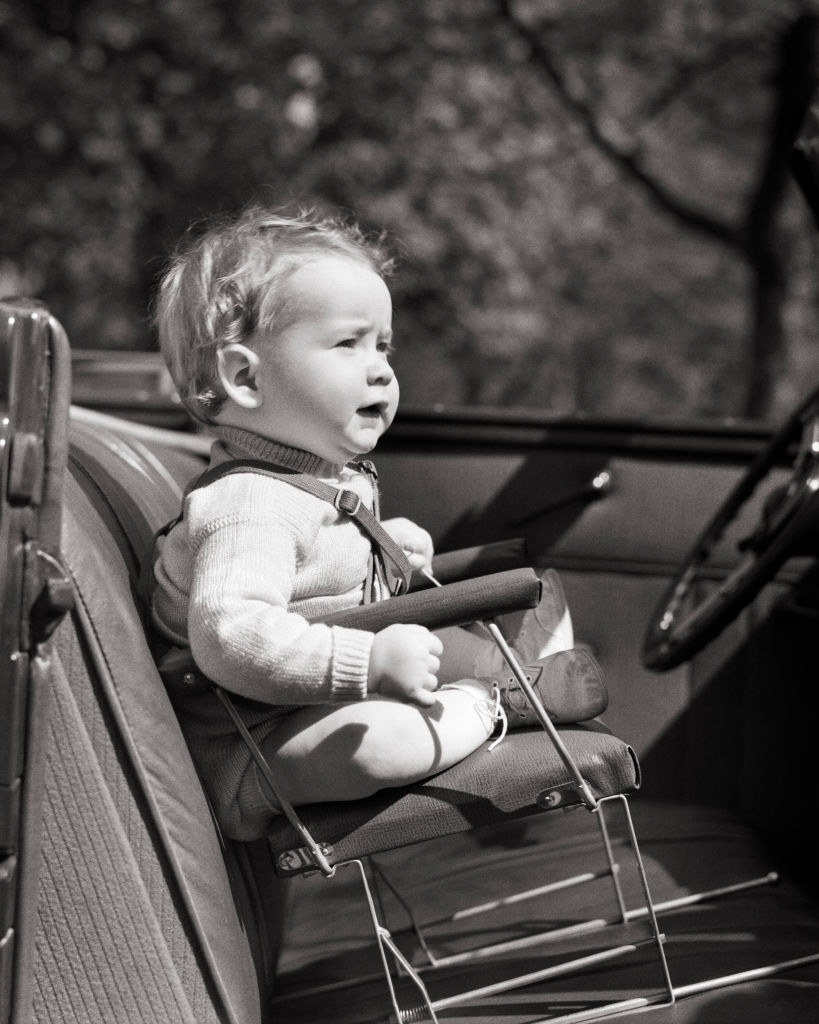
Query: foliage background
x=577, y=190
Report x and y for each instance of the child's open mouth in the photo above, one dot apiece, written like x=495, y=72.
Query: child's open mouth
x=371, y=410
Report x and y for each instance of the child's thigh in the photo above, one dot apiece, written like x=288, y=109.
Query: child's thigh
x=349, y=751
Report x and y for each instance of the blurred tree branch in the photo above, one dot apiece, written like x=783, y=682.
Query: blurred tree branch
x=755, y=234
x=626, y=159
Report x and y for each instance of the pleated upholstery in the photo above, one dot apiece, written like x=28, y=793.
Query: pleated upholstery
x=110, y=943
x=138, y=917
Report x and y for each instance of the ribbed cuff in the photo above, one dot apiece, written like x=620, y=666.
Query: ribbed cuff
x=351, y=663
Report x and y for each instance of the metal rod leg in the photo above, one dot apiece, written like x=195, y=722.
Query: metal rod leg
x=384, y=940
x=614, y=867
x=641, y=871
x=415, y=925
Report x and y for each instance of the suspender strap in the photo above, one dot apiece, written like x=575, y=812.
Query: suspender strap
x=344, y=500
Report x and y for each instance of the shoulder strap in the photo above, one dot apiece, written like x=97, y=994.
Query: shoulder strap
x=345, y=500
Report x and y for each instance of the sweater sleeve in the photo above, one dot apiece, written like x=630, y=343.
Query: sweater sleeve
x=243, y=573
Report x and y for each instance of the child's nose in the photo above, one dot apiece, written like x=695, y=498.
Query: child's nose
x=379, y=370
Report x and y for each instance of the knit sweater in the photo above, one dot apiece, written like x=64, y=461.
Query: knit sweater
x=237, y=578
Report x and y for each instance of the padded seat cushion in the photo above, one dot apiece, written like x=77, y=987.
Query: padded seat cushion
x=488, y=787
x=154, y=745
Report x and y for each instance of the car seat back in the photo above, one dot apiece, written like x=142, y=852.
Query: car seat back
x=34, y=370
x=143, y=913
x=119, y=491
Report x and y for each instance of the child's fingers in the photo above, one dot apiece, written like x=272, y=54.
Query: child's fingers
x=425, y=698
x=415, y=542
x=416, y=559
x=419, y=557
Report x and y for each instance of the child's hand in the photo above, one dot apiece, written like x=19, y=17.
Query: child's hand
x=414, y=541
x=404, y=663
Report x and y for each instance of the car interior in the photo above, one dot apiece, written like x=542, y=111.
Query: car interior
x=659, y=859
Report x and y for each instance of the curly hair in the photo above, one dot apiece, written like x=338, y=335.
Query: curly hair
x=230, y=282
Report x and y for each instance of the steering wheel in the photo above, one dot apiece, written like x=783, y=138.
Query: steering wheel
x=789, y=525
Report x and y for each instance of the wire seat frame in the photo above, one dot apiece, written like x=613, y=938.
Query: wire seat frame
x=315, y=855
x=575, y=793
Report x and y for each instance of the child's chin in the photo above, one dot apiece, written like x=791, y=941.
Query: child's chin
x=368, y=439
x=355, y=449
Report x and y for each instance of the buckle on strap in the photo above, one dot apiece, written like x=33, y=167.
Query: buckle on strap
x=347, y=501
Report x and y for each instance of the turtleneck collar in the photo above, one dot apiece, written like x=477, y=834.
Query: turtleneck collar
x=243, y=444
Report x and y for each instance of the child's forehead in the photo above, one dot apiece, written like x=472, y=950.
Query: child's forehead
x=323, y=271
x=338, y=286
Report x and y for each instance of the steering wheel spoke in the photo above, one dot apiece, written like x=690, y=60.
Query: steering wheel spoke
x=684, y=623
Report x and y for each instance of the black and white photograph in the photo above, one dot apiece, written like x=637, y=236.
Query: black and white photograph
x=409, y=511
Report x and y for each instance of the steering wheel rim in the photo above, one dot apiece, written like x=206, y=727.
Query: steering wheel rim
x=674, y=635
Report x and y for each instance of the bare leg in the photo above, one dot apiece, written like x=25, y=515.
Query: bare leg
x=349, y=751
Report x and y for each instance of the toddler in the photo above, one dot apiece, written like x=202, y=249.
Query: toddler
x=278, y=334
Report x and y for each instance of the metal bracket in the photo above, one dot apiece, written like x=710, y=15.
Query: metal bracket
x=26, y=467
x=52, y=590
x=299, y=860
x=566, y=794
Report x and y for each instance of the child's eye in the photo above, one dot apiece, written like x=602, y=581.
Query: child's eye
x=387, y=348
x=346, y=343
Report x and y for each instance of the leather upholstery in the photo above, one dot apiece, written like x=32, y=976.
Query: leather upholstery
x=155, y=750
x=489, y=787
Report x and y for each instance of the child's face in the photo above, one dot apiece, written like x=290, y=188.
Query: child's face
x=325, y=382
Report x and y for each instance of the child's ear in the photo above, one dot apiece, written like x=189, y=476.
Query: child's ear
x=237, y=365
